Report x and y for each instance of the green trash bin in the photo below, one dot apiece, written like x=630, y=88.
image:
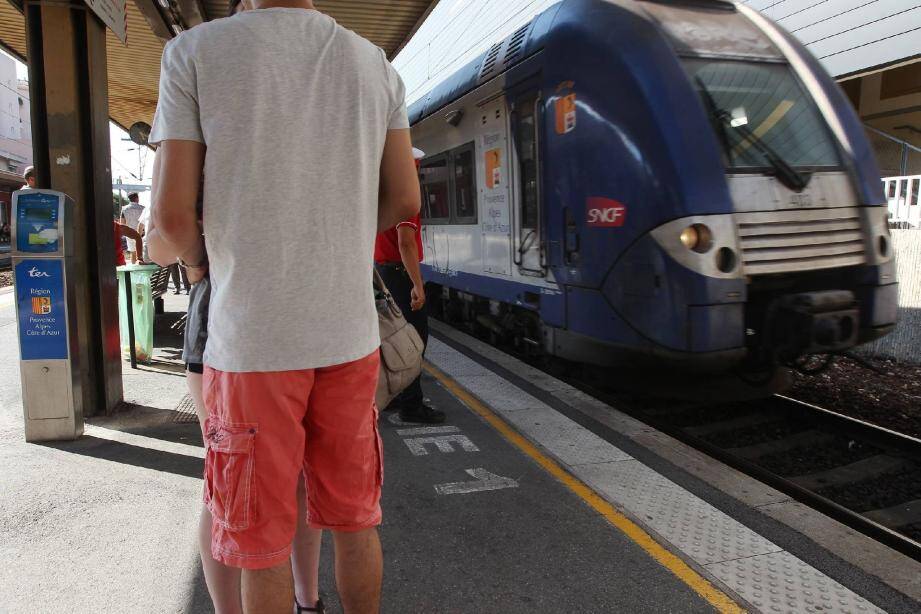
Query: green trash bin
x=142, y=303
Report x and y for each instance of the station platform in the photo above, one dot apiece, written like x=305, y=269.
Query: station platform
x=532, y=497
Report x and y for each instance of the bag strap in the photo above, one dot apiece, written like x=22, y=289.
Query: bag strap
x=379, y=282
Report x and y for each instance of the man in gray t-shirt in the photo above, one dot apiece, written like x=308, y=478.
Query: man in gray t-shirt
x=300, y=129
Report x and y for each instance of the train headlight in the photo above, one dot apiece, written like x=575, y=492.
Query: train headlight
x=705, y=244
x=697, y=238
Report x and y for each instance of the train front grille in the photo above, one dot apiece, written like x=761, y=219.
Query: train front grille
x=800, y=240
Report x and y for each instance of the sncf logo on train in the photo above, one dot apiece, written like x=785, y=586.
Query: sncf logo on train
x=605, y=213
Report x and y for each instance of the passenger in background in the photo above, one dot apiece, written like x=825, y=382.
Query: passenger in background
x=397, y=253
x=131, y=213
x=123, y=231
x=29, y=176
x=143, y=225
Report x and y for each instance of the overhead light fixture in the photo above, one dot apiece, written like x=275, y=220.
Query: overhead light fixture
x=454, y=117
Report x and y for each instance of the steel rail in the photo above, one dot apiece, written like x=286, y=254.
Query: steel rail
x=876, y=435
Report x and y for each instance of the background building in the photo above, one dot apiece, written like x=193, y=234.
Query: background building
x=15, y=136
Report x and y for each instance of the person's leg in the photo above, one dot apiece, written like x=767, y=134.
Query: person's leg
x=174, y=276
x=253, y=462
x=411, y=402
x=359, y=570
x=223, y=581
x=268, y=591
x=305, y=555
x=184, y=276
x=343, y=465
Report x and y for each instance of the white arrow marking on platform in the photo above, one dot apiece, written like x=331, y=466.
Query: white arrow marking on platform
x=427, y=430
x=443, y=443
x=484, y=481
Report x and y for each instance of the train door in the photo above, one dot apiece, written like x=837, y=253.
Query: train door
x=493, y=187
x=436, y=211
x=528, y=246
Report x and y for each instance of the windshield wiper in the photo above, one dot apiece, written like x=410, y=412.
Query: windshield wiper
x=787, y=175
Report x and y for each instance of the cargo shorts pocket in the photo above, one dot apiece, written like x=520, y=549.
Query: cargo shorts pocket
x=229, y=466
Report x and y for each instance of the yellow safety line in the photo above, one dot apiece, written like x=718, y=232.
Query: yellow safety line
x=700, y=585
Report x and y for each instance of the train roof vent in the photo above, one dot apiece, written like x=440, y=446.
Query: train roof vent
x=497, y=60
x=516, y=44
x=489, y=63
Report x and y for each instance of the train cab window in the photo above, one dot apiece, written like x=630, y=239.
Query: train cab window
x=436, y=206
x=761, y=115
x=465, y=201
x=526, y=147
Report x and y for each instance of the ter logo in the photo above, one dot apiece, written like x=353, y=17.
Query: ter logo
x=605, y=213
x=34, y=272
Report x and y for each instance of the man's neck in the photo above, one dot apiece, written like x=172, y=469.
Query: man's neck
x=291, y=4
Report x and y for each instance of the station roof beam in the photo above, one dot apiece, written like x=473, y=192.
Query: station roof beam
x=134, y=69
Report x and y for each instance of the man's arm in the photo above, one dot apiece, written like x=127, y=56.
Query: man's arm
x=174, y=192
x=409, y=254
x=129, y=232
x=399, y=198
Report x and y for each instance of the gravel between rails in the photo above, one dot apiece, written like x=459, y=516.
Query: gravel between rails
x=803, y=461
x=6, y=278
x=878, y=492
x=891, y=399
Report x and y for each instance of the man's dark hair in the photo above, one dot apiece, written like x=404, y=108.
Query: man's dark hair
x=30, y=172
x=133, y=197
x=232, y=9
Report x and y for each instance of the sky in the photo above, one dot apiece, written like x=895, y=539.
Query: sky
x=456, y=32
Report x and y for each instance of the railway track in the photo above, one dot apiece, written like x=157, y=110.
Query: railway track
x=863, y=475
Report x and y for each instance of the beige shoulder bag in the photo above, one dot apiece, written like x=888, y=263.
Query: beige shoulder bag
x=401, y=347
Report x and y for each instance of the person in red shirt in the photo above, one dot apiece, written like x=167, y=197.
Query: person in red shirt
x=397, y=253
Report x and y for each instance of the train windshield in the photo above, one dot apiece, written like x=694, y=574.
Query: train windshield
x=762, y=117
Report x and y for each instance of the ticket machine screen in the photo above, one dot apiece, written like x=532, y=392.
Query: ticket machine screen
x=37, y=223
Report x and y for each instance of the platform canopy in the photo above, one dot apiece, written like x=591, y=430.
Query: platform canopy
x=134, y=69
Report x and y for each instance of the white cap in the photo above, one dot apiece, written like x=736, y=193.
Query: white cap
x=418, y=154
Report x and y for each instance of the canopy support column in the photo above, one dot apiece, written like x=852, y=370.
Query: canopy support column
x=68, y=83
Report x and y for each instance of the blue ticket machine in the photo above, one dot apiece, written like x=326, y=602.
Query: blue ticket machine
x=42, y=234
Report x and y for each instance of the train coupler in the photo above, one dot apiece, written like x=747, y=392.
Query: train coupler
x=814, y=323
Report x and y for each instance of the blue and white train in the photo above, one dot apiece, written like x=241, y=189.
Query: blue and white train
x=654, y=182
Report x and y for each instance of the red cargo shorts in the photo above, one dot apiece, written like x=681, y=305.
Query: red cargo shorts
x=262, y=430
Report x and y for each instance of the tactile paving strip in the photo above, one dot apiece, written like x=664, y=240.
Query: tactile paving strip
x=695, y=527
x=496, y=392
x=780, y=582
x=759, y=571
x=185, y=411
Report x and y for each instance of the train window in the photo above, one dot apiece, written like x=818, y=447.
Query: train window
x=760, y=114
x=436, y=206
x=465, y=201
x=526, y=146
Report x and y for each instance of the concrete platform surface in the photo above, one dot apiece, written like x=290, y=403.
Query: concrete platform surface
x=106, y=523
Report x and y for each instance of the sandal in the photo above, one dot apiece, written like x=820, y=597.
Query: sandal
x=319, y=607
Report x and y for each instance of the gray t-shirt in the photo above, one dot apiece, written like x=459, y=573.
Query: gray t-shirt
x=294, y=111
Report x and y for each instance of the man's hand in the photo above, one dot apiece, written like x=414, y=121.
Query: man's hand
x=417, y=297
x=196, y=273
